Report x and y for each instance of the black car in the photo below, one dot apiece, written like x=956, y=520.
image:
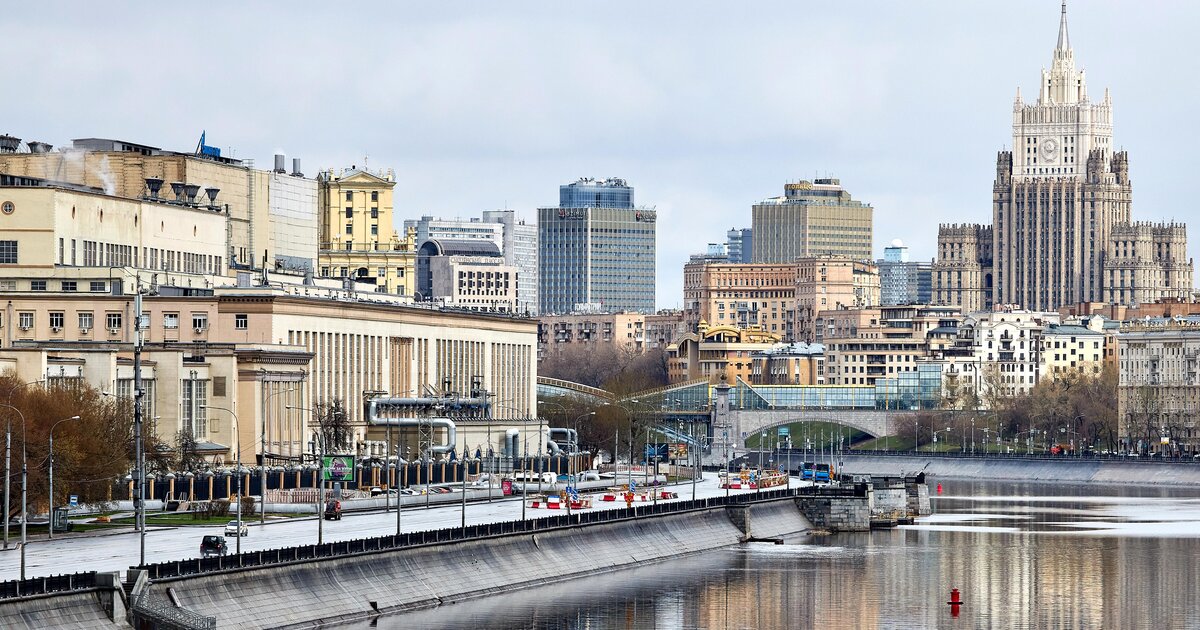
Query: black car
x=213, y=546
x=333, y=510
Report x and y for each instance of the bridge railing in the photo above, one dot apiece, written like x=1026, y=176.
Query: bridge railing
x=348, y=548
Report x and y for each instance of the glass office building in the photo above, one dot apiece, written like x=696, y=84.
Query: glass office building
x=596, y=250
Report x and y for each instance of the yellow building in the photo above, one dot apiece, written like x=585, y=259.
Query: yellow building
x=711, y=352
x=357, y=237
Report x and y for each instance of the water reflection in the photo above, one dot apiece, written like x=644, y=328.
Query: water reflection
x=1024, y=556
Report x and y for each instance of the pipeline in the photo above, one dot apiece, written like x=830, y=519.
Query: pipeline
x=512, y=443
x=374, y=405
x=570, y=435
x=553, y=447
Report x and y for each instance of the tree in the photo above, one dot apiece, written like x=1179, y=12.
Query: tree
x=334, y=432
x=189, y=458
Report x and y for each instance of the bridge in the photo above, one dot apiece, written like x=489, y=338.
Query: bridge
x=876, y=423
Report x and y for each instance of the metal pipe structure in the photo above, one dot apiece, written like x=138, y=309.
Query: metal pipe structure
x=51, y=504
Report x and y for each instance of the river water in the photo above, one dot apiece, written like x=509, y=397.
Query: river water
x=1023, y=556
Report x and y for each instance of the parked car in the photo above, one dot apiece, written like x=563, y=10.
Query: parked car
x=333, y=510
x=213, y=546
x=232, y=529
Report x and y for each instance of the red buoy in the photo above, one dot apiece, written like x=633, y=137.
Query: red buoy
x=939, y=488
x=955, y=602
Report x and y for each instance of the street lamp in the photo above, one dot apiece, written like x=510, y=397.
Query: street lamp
x=262, y=469
x=319, y=444
x=24, y=486
x=8, y=458
x=572, y=454
x=52, y=427
x=237, y=434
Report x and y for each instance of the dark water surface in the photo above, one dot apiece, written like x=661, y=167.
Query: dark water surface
x=1023, y=555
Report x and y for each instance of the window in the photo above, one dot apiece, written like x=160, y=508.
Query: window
x=193, y=398
x=56, y=319
x=199, y=321
x=324, y=272
x=374, y=230
x=112, y=320
x=69, y=285
x=383, y=272
x=241, y=321
x=170, y=321
x=8, y=252
x=37, y=285
x=85, y=320
x=25, y=319
x=97, y=287
x=349, y=213
x=349, y=229
x=349, y=196
x=374, y=195
x=374, y=213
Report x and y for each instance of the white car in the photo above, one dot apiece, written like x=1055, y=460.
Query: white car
x=231, y=529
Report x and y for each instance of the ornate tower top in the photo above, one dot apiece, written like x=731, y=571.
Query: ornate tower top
x=1063, y=84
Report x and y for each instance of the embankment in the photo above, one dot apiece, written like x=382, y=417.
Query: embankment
x=308, y=594
x=1028, y=469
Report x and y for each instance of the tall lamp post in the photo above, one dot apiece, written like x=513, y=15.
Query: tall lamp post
x=237, y=434
x=262, y=468
x=319, y=445
x=8, y=460
x=24, y=483
x=51, y=504
x=572, y=454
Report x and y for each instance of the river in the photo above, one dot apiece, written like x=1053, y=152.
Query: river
x=1022, y=555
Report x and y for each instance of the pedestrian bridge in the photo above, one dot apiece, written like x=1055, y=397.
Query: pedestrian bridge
x=876, y=423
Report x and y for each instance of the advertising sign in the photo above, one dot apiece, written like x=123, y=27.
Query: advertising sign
x=783, y=431
x=338, y=467
x=679, y=451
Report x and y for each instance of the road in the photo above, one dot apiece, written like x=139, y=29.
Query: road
x=117, y=552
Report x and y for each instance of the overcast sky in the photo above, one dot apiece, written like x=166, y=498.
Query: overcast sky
x=704, y=108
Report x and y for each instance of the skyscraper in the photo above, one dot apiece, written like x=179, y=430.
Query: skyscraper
x=739, y=244
x=596, y=247
x=816, y=218
x=1061, y=211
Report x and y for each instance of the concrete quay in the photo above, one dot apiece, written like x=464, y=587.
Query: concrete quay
x=1051, y=469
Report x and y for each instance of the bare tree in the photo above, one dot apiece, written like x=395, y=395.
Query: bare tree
x=333, y=425
x=189, y=458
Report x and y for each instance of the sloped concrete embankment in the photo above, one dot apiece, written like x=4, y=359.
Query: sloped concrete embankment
x=314, y=593
x=1061, y=470
x=81, y=611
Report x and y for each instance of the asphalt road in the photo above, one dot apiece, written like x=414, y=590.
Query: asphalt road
x=117, y=552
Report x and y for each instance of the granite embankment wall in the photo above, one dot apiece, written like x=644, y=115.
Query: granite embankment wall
x=1063, y=469
x=309, y=594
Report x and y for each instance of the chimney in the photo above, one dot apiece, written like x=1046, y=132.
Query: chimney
x=39, y=147
x=296, y=168
x=192, y=191
x=177, y=188
x=279, y=159
x=154, y=184
x=8, y=144
x=212, y=196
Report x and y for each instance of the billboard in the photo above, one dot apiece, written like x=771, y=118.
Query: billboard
x=338, y=467
x=679, y=451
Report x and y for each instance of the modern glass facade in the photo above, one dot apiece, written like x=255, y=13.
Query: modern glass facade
x=601, y=255
x=596, y=193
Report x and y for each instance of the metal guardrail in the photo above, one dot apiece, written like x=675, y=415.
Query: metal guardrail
x=164, y=614
x=307, y=553
x=84, y=581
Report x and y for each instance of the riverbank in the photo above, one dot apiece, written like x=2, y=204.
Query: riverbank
x=1023, y=469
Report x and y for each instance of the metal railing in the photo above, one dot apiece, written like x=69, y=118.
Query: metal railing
x=162, y=613
x=307, y=553
x=70, y=582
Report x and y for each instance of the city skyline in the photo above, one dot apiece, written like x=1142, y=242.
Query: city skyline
x=699, y=110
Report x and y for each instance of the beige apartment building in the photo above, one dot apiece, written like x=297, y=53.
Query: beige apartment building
x=904, y=337
x=1158, y=390
x=634, y=333
x=357, y=237
x=741, y=295
x=831, y=282
x=718, y=351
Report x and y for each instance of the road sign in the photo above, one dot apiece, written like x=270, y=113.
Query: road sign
x=783, y=431
x=74, y=502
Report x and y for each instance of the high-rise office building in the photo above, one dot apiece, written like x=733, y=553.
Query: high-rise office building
x=1061, y=215
x=903, y=281
x=516, y=239
x=596, y=247
x=816, y=218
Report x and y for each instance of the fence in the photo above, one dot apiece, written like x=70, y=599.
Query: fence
x=291, y=555
x=47, y=585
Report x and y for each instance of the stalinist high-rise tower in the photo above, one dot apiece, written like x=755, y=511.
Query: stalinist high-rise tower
x=1061, y=210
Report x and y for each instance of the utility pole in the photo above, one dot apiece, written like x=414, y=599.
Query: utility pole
x=139, y=500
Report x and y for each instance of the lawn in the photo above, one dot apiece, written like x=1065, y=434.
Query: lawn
x=817, y=434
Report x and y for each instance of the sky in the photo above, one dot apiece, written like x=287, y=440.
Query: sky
x=704, y=107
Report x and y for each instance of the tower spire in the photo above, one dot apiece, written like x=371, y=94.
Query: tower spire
x=1064, y=42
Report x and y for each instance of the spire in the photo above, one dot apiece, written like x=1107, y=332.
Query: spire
x=1064, y=42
